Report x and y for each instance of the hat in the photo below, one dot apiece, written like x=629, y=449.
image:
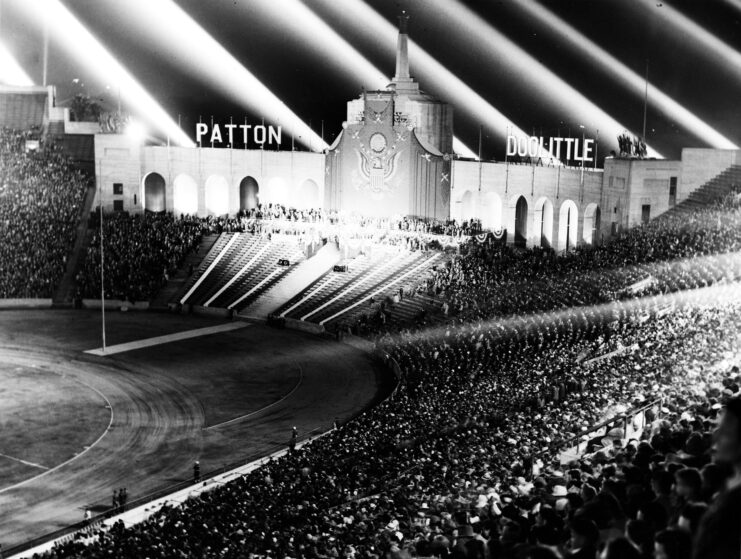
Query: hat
x=559, y=491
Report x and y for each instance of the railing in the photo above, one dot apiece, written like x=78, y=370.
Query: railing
x=624, y=420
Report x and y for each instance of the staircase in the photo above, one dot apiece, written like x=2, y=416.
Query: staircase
x=176, y=283
x=65, y=291
x=295, y=282
x=412, y=309
x=715, y=189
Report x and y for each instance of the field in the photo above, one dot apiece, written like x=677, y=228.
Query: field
x=75, y=426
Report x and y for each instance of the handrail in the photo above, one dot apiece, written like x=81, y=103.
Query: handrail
x=576, y=440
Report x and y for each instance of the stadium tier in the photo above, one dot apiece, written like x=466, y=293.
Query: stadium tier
x=341, y=295
x=242, y=266
x=469, y=451
x=542, y=396
x=41, y=202
x=139, y=253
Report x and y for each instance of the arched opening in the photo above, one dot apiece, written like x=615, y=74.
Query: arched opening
x=491, y=211
x=568, y=225
x=592, y=224
x=185, y=195
x=277, y=192
x=309, y=194
x=217, y=195
x=521, y=222
x=468, y=206
x=544, y=221
x=154, y=193
x=249, y=194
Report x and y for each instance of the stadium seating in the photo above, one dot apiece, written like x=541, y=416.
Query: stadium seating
x=467, y=451
x=680, y=250
x=505, y=359
x=240, y=268
x=140, y=253
x=41, y=199
x=339, y=296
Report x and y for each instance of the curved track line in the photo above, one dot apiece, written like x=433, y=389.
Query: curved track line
x=241, y=417
x=76, y=456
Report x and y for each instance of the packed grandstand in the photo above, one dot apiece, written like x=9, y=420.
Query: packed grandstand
x=507, y=359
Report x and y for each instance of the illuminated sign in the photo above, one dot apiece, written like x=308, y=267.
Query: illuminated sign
x=259, y=134
x=563, y=149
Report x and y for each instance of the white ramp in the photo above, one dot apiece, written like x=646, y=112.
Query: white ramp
x=167, y=338
x=294, y=282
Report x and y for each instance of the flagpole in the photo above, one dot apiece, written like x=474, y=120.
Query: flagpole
x=102, y=261
x=645, y=103
x=480, y=162
x=46, y=51
x=596, y=150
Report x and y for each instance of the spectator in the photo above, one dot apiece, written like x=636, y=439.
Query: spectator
x=584, y=537
x=41, y=199
x=673, y=543
x=719, y=533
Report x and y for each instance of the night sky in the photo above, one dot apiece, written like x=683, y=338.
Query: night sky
x=317, y=91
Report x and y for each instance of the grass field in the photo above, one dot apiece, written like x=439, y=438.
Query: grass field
x=45, y=419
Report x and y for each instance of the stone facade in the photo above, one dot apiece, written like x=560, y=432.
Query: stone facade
x=203, y=181
x=552, y=206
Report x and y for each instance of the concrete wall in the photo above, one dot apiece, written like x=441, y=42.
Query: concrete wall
x=295, y=179
x=646, y=182
x=118, y=160
x=486, y=191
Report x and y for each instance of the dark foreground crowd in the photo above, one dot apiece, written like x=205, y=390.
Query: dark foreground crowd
x=41, y=197
x=463, y=459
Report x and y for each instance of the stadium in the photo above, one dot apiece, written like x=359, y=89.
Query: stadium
x=237, y=334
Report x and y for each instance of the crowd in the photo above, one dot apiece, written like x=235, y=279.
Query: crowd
x=673, y=252
x=278, y=212
x=471, y=456
x=41, y=198
x=139, y=254
x=463, y=459
x=354, y=231
x=142, y=251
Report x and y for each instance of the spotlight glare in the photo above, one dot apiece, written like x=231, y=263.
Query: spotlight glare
x=11, y=72
x=184, y=41
x=81, y=44
x=136, y=132
x=533, y=75
x=331, y=46
x=636, y=83
x=366, y=21
x=719, y=52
